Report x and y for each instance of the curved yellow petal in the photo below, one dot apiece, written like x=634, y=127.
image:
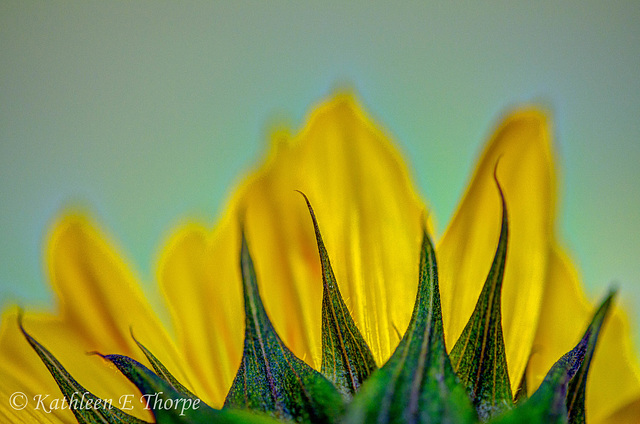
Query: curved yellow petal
x=521, y=149
x=99, y=297
x=199, y=275
x=370, y=218
x=21, y=370
x=614, y=381
x=98, y=302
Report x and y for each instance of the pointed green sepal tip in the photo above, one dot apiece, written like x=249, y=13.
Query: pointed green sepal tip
x=417, y=384
x=87, y=407
x=522, y=393
x=161, y=370
x=165, y=402
x=578, y=384
x=169, y=406
x=346, y=358
x=548, y=403
x=478, y=356
x=271, y=379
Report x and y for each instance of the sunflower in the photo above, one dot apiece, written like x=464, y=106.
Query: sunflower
x=371, y=222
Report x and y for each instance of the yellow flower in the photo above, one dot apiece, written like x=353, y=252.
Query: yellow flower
x=370, y=216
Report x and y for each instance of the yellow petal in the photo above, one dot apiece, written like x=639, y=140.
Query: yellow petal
x=370, y=218
x=613, y=382
x=199, y=275
x=99, y=297
x=21, y=370
x=98, y=302
x=628, y=414
x=525, y=171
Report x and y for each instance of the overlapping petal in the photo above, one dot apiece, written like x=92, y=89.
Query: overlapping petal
x=544, y=310
x=521, y=150
x=98, y=302
x=369, y=216
x=613, y=387
x=370, y=219
x=199, y=273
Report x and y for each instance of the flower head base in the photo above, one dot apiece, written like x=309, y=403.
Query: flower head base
x=345, y=316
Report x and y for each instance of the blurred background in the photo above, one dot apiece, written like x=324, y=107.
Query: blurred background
x=148, y=113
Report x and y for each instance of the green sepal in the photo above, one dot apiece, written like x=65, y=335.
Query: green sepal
x=271, y=378
x=162, y=371
x=346, y=358
x=522, y=393
x=478, y=356
x=548, y=403
x=577, y=386
x=172, y=407
x=72, y=390
x=417, y=384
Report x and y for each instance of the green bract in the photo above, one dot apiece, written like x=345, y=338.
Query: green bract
x=420, y=383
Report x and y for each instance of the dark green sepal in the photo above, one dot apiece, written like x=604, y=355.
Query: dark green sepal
x=478, y=356
x=162, y=371
x=548, y=404
x=346, y=358
x=522, y=393
x=417, y=384
x=271, y=378
x=172, y=407
x=578, y=385
x=86, y=407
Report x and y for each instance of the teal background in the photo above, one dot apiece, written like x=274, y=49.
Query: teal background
x=146, y=113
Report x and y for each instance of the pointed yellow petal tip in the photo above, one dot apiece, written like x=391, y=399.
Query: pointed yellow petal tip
x=345, y=164
x=280, y=137
x=521, y=148
x=343, y=100
x=98, y=296
x=68, y=222
x=343, y=105
x=532, y=116
x=75, y=244
x=528, y=114
x=532, y=124
x=197, y=273
x=348, y=168
x=181, y=234
x=69, y=229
